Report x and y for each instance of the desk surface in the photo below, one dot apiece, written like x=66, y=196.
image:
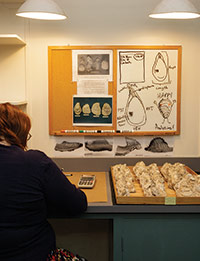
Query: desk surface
x=100, y=194
x=109, y=206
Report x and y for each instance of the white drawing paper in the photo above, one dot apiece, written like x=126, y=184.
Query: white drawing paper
x=147, y=90
x=92, y=87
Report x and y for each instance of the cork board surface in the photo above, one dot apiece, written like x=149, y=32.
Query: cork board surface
x=154, y=100
x=99, y=192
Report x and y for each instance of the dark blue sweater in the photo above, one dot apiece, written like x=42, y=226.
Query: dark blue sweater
x=31, y=188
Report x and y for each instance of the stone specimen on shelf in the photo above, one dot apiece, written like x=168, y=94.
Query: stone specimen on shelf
x=150, y=179
x=124, y=180
x=178, y=178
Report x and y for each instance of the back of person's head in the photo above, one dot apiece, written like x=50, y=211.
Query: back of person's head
x=14, y=125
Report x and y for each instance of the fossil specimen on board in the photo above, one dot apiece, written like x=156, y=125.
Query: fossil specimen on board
x=98, y=145
x=158, y=144
x=77, y=108
x=106, y=109
x=67, y=146
x=131, y=144
x=96, y=109
x=86, y=109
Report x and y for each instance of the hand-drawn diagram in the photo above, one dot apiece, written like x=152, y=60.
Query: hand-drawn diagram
x=165, y=108
x=147, y=88
x=132, y=66
x=130, y=115
x=160, y=68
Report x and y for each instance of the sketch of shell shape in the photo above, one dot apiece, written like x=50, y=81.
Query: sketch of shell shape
x=86, y=109
x=138, y=56
x=160, y=69
x=165, y=107
x=135, y=112
x=106, y=109
x=158, y=144
x=77, y=108
x=96, y=109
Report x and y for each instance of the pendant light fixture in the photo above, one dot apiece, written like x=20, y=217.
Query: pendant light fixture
x=175, y=9
x=41, y=9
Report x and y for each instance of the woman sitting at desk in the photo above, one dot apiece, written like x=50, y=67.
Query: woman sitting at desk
x=31, y=187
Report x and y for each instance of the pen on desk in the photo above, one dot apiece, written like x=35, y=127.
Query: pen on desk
x=68, y=175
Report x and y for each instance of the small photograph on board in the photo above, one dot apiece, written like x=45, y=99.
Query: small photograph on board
x=92, y=64
x=92, y=111
x=98, y=146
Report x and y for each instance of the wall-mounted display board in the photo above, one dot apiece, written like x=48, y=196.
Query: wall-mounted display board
x=114, y=90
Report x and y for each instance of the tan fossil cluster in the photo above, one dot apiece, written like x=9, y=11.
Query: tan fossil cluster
x=178, y=178
x=150, y=179
x=124, y=180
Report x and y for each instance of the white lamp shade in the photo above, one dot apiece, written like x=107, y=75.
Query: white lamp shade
x=41, y=9
x=175, y=9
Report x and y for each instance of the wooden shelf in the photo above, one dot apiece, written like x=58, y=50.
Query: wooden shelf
x=11, y=39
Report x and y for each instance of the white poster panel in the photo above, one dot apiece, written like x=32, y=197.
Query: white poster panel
x=147, y=90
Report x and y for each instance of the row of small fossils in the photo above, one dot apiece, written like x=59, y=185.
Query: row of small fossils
x=96, y=109
x=152, y=180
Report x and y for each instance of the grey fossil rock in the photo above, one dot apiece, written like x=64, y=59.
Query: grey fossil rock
x=98, y=145
x=158, y=144
x=68, y=146
x=131, y=144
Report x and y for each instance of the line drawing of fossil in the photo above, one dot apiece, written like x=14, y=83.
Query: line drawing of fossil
x=160, y=68
x=129, y=114
x=165, y=107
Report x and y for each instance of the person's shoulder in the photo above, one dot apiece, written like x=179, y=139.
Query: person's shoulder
x=37, y=156
x=35, y=153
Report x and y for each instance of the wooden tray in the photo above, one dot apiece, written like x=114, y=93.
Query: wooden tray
x=139, y=198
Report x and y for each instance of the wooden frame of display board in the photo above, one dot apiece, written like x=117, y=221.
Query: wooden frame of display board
x=144, y=83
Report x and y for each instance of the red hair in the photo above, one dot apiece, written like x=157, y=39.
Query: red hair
x=14, y=125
